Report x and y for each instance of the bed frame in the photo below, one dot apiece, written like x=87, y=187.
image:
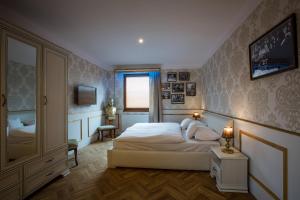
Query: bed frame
x=169, y=159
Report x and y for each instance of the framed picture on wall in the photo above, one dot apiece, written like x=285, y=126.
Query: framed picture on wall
x=177, y=87
x=177, y=98
x=165, y=94
x=184, y=76
x=190, y=89
x=166, y=86
x=275, y=51
x=172, y=76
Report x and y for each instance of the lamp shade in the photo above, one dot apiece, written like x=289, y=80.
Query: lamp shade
x=196, y=115
x=228, y=132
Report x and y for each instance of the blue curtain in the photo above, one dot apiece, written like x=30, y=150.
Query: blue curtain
x=155, y=111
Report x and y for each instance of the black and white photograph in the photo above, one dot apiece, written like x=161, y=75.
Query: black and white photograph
x=275, y=51
x=177, y=98
x=165, y=86
x=165, y=94
x=184, y=76
x=172, y=76
x=177, y=87
x=191, y=89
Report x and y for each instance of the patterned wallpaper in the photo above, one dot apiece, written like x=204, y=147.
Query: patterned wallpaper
x=226, y=85
x=85, y=73
x=21, y=86
x=191, y=102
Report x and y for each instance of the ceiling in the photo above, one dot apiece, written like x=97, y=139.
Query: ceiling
x=177, y=33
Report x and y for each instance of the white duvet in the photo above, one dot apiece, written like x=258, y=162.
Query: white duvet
x=160, y=133
x=25, y=134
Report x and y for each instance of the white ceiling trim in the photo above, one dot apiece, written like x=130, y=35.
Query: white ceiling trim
x=21, y=21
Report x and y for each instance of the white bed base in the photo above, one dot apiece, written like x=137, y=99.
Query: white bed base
x=159, y=159
x=169, y=159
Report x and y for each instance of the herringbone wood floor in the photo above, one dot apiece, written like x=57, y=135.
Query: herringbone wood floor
x=92, y=180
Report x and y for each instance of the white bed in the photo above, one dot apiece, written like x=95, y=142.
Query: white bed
x=21, y=141
x=154, y=150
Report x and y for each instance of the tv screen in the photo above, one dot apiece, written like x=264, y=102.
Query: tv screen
x=86, y=95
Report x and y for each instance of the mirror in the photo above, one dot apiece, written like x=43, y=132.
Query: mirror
x=21, y=62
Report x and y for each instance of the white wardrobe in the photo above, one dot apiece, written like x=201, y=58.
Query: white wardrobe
x=33, y=112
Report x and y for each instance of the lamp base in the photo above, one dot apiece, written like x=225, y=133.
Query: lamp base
x=227, y=150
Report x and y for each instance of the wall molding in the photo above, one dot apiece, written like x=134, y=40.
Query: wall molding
x=182, y=109
x=88, y=120
x=256, y=123
x=285, y=165
x=178, y=114
x=81, y=128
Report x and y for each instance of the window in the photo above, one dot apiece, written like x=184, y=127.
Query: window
x=136, y=92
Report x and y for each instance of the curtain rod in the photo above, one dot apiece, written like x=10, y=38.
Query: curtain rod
x=137, y=70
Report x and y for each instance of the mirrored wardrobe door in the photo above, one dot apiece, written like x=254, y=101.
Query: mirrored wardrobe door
x=20, y=105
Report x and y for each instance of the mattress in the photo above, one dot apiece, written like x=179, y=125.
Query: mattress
x=152, y=133
x=189, y=145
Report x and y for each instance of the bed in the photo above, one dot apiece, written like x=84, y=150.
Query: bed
x=165, y=146
x=21, y=141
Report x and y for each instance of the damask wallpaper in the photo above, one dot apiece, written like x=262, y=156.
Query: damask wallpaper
x=21, y=87
x=191, y=102
x=85, y=73
x=225, y=80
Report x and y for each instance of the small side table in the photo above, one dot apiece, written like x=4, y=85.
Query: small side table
x=110, y=128
x=73, y=145
x=230, y=170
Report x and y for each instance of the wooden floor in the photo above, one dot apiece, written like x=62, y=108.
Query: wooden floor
x=92, y=180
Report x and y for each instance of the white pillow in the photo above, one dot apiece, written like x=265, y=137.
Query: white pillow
x=185, y=123
x=15, y=123
x=205, y=133
x=190, y=132
x=202, y=123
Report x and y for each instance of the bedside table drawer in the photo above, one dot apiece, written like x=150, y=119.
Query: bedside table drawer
x=215, y=170
x=216, y=159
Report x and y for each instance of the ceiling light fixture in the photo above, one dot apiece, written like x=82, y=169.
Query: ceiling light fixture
x=141, y=40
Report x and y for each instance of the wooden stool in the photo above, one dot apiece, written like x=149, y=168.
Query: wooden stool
x=109, y=128
x=73, y=145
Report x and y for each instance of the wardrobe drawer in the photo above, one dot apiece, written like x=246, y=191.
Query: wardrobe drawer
x=38, y=165
x=9, y=179
x=34, y=182
x=11, y=194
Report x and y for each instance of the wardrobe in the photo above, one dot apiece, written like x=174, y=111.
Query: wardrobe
x=33, y=112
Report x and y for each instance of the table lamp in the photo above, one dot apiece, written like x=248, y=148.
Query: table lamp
x=227, y=134
x=196, y=115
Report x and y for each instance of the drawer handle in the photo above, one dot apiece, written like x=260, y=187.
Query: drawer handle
x=214, y=169
x=50, y=160
x=4, y=100
x=49, y=174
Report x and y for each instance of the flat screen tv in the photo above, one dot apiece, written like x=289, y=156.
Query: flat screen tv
x=86, y=95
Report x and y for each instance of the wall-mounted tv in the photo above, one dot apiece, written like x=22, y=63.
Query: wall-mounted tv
x=85, y=95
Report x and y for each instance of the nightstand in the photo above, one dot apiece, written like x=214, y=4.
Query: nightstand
x=230, y=170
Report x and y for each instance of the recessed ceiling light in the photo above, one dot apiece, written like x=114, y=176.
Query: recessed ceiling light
x=141, y=40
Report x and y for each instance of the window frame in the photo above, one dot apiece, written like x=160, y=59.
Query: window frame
x=125, y=92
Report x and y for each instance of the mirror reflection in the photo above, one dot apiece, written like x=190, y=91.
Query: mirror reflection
x=21, y=99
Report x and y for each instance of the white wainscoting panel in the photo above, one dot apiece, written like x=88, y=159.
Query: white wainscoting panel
x=93, y=123
x=266, y=162
x=83, y=125
x=75, y=129
x=128, y=119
